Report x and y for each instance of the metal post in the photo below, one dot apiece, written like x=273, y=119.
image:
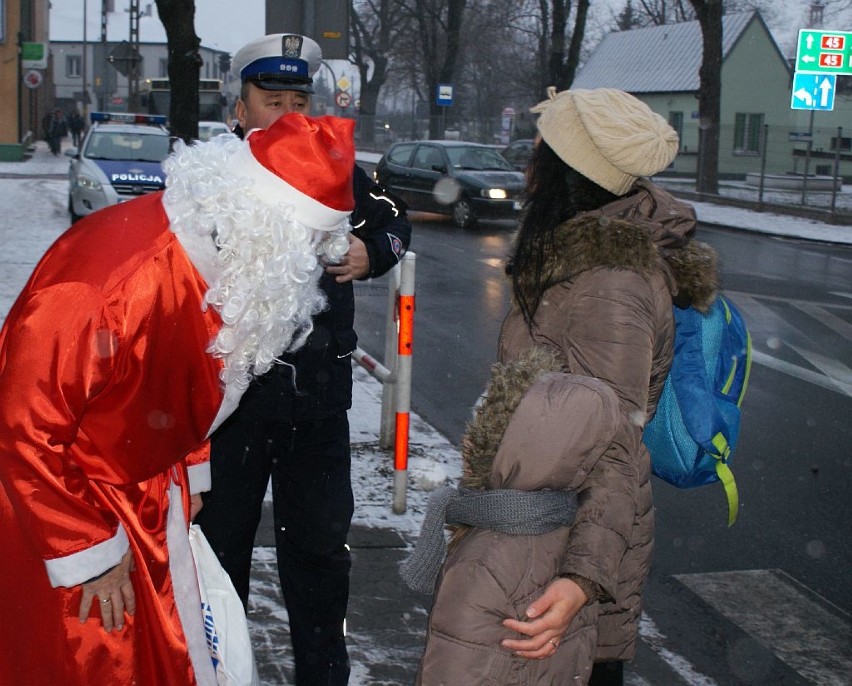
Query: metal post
x=763, y=165
x=133, y=75
x=333, y=91
x=20, y=87
x=308, y=19
x=102, y=65
x=85, y=64
x=836, y=168
x=403, y=380
x=808, y=157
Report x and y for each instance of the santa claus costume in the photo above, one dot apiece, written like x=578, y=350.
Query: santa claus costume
x=131, y=342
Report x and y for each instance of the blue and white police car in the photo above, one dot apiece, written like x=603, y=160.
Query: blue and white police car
x=120, y=159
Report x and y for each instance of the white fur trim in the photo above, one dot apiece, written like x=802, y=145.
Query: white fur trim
x=233, y=393
x=200, y=479
x=273, y=190
x=74, y=569
x=201, y=250
x=185, y=586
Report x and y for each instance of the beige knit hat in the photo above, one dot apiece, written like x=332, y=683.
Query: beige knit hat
x=607, y=135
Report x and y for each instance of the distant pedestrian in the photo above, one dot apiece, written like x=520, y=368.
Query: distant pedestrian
x=76, y=125
x=57, y=130
x=46, y=120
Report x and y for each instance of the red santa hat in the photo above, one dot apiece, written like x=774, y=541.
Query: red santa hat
x=305, y=162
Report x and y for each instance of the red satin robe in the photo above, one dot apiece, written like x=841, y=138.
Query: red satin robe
x=106, y=398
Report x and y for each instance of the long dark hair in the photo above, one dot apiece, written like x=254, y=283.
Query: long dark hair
x=556, y=193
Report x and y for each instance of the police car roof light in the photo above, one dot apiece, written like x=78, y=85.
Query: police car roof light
x=128, y=118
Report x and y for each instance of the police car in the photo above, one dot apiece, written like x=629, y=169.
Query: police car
x=120, y=159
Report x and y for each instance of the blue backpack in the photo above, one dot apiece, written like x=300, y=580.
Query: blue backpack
x=696, y=426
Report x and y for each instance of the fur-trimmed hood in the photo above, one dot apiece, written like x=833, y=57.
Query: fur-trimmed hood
x=600, y=240
x=671, y=224
x=507, y=385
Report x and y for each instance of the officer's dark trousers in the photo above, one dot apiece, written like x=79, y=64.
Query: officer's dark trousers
x=312, y=504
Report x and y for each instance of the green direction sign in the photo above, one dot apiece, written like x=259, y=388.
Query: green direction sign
x=824, y=52
x=34, y=55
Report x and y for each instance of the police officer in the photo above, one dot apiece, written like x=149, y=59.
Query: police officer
x=292, y=423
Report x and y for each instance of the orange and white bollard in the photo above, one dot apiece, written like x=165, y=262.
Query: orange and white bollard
x=402, y=393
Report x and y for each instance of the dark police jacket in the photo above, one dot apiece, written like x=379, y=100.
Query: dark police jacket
x=316, y=381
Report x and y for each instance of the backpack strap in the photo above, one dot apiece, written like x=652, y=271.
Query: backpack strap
x=726, y=476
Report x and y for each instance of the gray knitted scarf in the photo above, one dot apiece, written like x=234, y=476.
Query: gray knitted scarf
x=506, y=510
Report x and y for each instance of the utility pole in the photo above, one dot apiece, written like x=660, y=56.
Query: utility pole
x=20, y=81
x=102, y=63
x=135, y=58
x=85, y=64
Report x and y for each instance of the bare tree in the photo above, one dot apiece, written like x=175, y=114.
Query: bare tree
x=376, y=27
x=438, y=33
x=627, y=18
x=709, y=13
x=490, y=71
x=660, y=12
x=559, y=54
x=178, y=17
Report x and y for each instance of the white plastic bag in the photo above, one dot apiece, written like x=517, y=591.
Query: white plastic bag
x=224, y=617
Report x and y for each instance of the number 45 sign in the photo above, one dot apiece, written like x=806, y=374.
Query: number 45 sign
x=824, y=52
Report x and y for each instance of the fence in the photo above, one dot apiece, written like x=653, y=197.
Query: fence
x=797, y=169
x=777, y=167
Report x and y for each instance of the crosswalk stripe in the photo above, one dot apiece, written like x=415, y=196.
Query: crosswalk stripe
x=797, y=372
x=833, y=369
x=835, y=376
x=792, y=621
x=656, y=640
x=826, y=318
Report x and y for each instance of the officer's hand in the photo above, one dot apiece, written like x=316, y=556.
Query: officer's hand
x=355, y=263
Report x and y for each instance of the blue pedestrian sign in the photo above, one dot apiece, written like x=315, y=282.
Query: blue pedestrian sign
x=813, y=91
x=444, y=96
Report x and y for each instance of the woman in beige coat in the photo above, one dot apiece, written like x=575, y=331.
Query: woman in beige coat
x=600, y=257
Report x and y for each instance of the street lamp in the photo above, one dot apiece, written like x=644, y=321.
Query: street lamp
x=333, y=85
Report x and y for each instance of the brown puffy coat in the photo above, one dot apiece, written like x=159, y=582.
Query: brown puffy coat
x=606, y=314
x=489, y=575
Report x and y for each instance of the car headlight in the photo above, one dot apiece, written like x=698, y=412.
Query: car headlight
x=494, y=193
x=88, y=183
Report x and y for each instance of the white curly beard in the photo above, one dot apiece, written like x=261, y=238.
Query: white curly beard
x=268, y=263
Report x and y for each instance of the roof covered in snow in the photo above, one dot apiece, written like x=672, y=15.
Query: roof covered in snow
x=659, y=59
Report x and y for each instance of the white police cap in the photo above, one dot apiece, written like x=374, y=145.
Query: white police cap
x=279, y=62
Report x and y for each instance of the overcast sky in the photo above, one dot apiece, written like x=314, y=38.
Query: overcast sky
x=228, y=24
x=221, y=24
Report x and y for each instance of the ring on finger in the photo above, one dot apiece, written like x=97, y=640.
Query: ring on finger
x=553, y=643
x=106, y=600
